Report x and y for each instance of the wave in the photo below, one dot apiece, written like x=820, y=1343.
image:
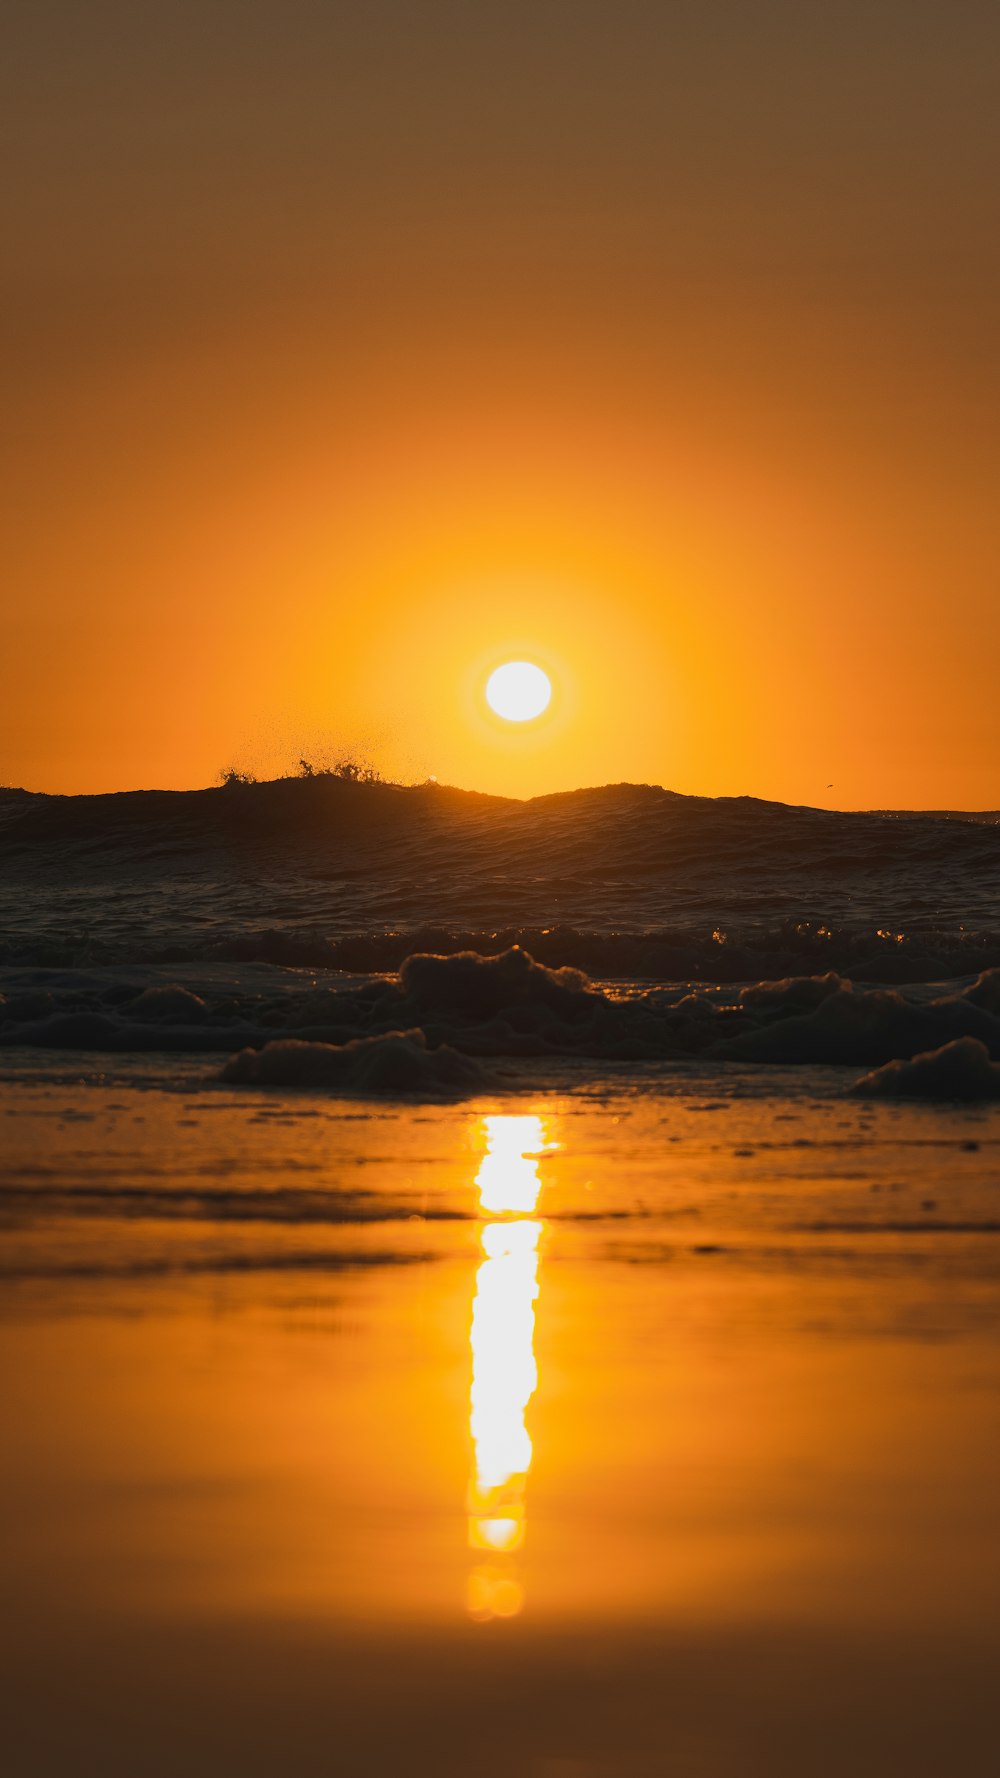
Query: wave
x=394, y=1062
x=623, y=880
x=438, y=1028
x=958, y=1070
x=742, y=954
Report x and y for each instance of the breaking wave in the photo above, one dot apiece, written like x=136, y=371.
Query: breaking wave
x=433, y=1029
x=371, y=938
x=623, y=881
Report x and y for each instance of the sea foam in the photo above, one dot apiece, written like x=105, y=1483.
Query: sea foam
x=398, y=1063
x=958, y=1070
x=509, y=1005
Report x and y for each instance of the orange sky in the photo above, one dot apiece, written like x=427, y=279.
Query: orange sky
x=351, y=350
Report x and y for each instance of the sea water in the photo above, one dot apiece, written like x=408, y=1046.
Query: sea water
x=617, y=1399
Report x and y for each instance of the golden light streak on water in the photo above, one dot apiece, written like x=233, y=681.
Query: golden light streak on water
x=507, y=1180
x=504, y=1372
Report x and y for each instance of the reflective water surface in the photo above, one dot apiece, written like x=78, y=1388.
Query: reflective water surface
x=504, y=1372
x=617, y=1434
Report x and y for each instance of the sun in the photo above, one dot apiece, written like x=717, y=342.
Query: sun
x=518, y=691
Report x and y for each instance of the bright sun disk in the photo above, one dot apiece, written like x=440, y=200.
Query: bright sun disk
x=518, y=691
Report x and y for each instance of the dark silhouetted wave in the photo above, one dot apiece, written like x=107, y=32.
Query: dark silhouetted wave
x=624, y=880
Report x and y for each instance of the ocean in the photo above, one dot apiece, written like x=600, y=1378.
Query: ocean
x=626, y=880
x=498, y=1287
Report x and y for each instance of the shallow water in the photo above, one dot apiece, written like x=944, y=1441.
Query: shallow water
x=607, y=1430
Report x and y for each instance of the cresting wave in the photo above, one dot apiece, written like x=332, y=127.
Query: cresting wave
x=266, y=923
x=626, y=881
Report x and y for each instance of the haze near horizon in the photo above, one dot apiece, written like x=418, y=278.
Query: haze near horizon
x=352, y=352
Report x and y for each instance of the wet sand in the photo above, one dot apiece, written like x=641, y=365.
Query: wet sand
x=591, y=1433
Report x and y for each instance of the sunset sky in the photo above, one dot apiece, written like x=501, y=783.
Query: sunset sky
x=352, y=350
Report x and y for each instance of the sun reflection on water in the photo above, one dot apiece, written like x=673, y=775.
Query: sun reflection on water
x=504, y=1372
